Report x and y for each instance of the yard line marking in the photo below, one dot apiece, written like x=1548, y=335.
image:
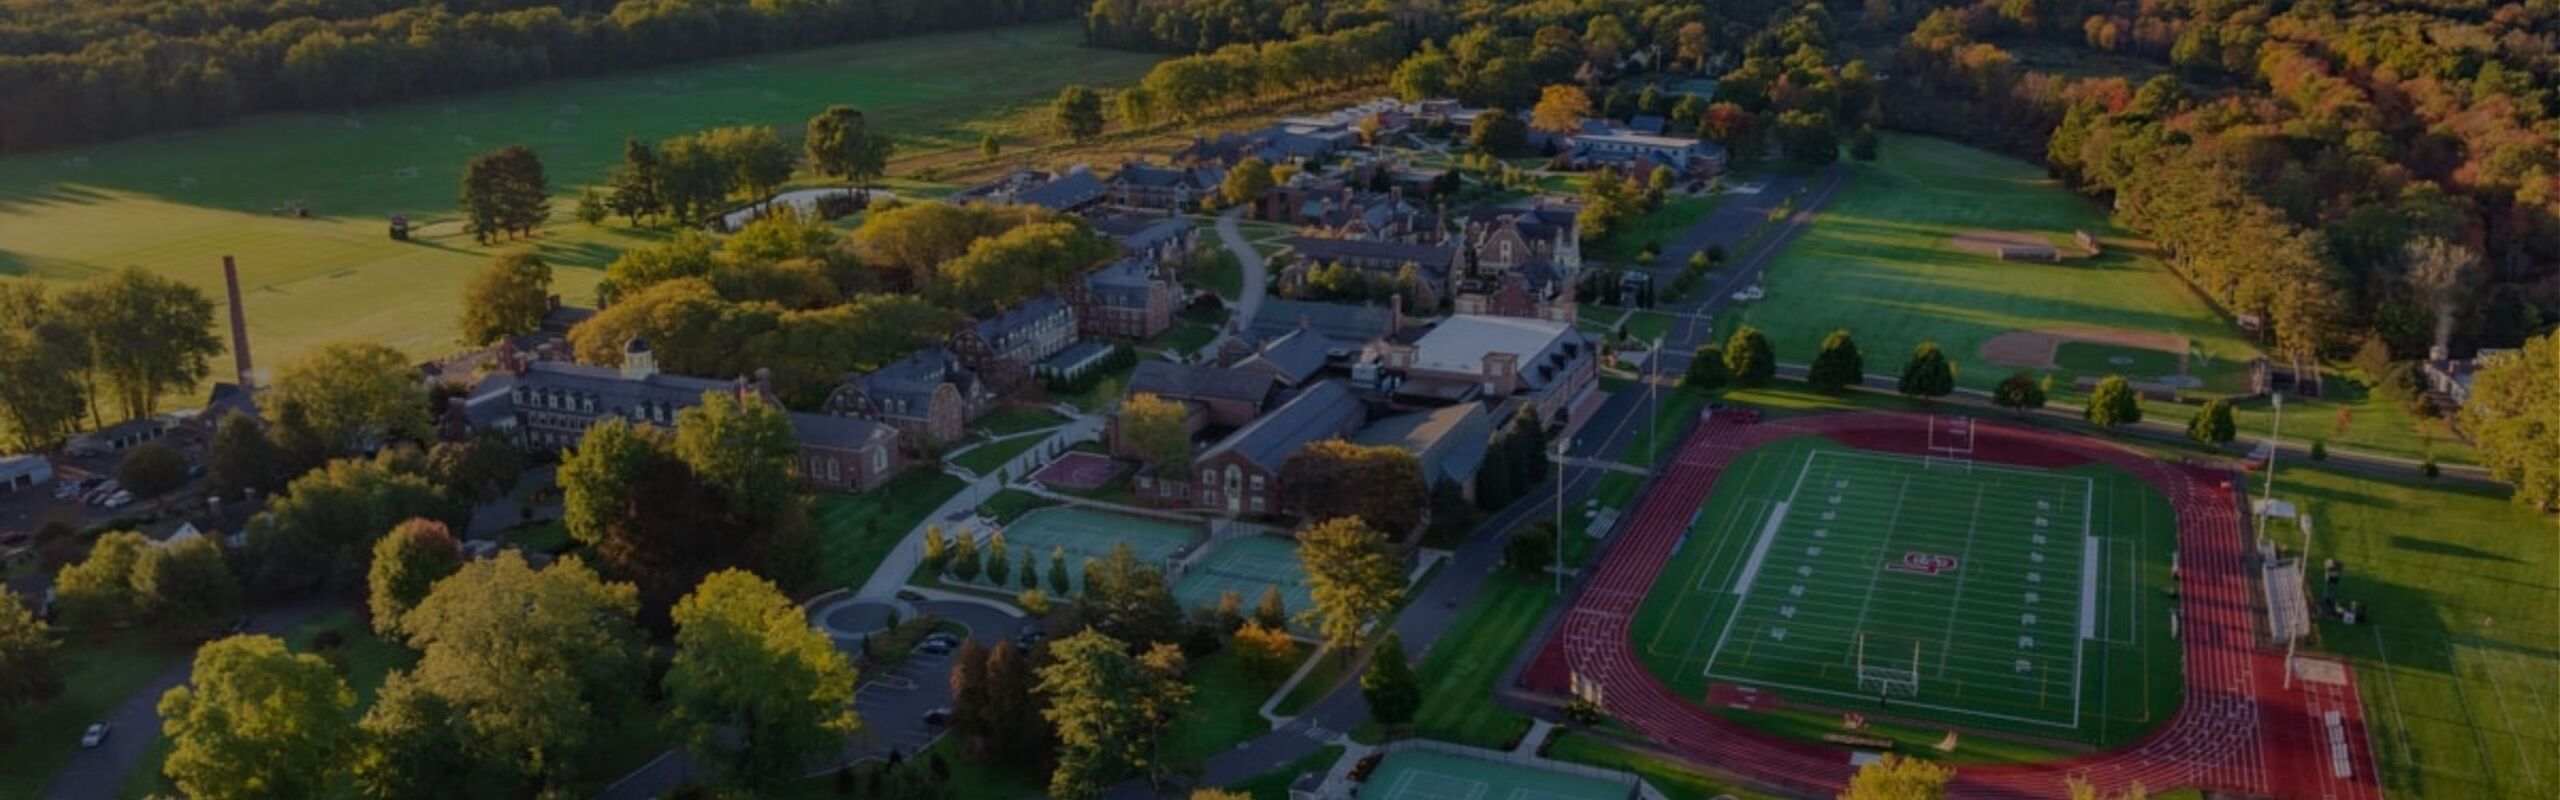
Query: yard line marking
x=1761, y=550
x=1875, y=572
x=2088, y=588
x=1946, y=638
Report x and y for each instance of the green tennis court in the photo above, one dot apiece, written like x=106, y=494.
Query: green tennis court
x=1248, y=566
x=1441, y=776
x=1089, y=534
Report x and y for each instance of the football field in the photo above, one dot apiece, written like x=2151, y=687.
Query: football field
x=1940, y=589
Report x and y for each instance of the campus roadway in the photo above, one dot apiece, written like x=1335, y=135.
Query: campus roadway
x=99, y=773
x=1620, y=421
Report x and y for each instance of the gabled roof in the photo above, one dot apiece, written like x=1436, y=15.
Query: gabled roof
x=1136, y=233
x=1294, y=356
x=995, y=328
x=1200, y=382
x=614, y=393
x=1451, y=439
x=829, y=430
x=1124, y=283
x=1073, y=190
x=1322, y=411
x=1344, y=323
x=1430, y=257
x=915, y=377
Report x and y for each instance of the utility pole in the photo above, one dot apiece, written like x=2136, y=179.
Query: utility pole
x=2275, y=441
x=1653, y=396
x=1561, y=446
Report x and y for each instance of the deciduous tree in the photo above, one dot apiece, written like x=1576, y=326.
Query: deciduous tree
x=1561, y=109
x=152, y=469
x=349, y=397
x=2020, y=392
x=1390, y=686
x=1352, y=578
x=1838, y=366
x=2113, y=403
x=1077, y=112
x=407, y=562
x=1130, y=601
x=754, y=690
x=506, y=298
x=1268, y=652
x=98, y=591
x=504, y=192
x=1246, y=181
x=1748, y=357
x=146, y=336
x=30, y=669
x=1896, y=777
x=241, y=458
x=256, y=721
x=1158, y=430
x=1381, y=485
x=2514, y=415
x=1928, y=374
x=184, y=588
x=1707, y=371
x=842, y=144
x=317, y=533
x=2212, y=424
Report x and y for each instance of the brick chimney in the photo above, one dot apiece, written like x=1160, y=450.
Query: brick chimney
x=239, y=329
x=1395, y=313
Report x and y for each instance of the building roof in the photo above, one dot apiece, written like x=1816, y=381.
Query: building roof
x=1073, y=190
x=1139, y=173
x=833, y=431
x=24, y=464
x=614, y=393
x=1136, y=233
x=998, y=327
x=1450, y=440
x=1296, y=355
x=1077, y=356
x=1343, y=323
x=916, y=377
x=1125, y=283
x=1460, y=343
x=1431, y=257
x=1321, y=411
x=1201, y=382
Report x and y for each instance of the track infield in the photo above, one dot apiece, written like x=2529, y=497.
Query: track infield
x=2009, y=599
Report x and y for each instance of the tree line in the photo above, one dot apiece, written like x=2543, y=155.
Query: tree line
x=98, y=352
x=2313, y=165
x=93, y=70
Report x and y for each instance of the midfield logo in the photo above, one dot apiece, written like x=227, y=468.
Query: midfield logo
x=1924, y=564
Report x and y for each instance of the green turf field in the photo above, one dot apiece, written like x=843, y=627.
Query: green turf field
x=1420, y=775
x=175, y=203
x=1997, y=598
x=2460, y=666
x=1088, y=534
x=1249, y=567
x=2137, y=363
x=1879, y=262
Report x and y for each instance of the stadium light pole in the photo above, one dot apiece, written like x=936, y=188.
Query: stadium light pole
x=2275, y=442
x=1558, y=567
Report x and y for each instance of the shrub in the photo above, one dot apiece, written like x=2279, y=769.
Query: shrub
x=2319, y=450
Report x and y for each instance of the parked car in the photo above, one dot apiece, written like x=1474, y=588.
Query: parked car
x=119, y=500
x=943, y=638
x=934, y=648
x=96, y=734
x=938, y=717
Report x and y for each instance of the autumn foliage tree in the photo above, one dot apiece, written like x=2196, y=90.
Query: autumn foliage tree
x=1380, y=485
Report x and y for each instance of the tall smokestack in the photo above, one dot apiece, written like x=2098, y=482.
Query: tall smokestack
x=239, y=328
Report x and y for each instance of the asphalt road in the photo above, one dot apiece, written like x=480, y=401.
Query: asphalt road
x=1257, y=275
x=97, y=773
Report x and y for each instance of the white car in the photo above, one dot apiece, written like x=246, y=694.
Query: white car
x=96, y=733
x=119, y=500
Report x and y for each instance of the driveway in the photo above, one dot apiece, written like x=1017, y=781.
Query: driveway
x=1257, y=275
x=97, y=773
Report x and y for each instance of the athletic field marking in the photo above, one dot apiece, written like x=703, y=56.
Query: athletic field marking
x=1760, y=549
x=1729, y=619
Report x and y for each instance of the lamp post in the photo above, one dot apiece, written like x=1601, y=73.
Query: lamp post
x=1558, y=567
x=2274, y=442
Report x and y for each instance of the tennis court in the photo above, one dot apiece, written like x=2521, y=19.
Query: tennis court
x=1441, y=776
x=1086, y=533
x=1990, y=595
x=1248, y=566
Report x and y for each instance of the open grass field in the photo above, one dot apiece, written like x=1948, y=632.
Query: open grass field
x=987, y=457
x=2460, y=664
x=1673, y=779
x=857, y=531
x=175, y=203
x=96, y=676
x=1881, y=263
x=2027, y=602
x=1225, y=705
x=1458, y=675
x=1657, y=227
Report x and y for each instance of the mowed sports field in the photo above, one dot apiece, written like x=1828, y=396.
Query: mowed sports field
x=176, y=203
x=1883, y=262
x=1997, y=598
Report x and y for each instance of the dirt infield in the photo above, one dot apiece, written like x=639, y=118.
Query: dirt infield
x=2014, y=246
x=2035, y=349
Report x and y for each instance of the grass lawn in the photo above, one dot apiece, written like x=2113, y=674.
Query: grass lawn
x=176, y=203
x=1103, y=392
x=1274, y=785
x=1009, y=420
x=96, y=677
x=1225, y=707
x=1319, y=682
x=550, y=537
x=988, y=457
x=364, y=659
x=1677, y=407
x=1672, y=779
x=1459, y=673
x=1657, y=227
x=856, y=531
x=1223, y=274
x=2458, y=667
x=1879, y=262
x=1186, y=338
x=1010, y=504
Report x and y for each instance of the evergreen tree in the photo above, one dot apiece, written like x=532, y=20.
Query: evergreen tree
x=1928, y=374
x=1838, y=366
x=1390, y=686
x=1707, y=371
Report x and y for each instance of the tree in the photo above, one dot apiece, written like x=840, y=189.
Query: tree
x=966, y=563
x=2113, y=403
x=314, y=534
x=143, y=335
x=256, y=721
x=98, y=591
x=1110, y=709
x=1246, y=181
x=507, y=298
x=504, y=192
x=152, y=469
x=480, y=469
x=1498, y=132
x=347, y=398
x=1748, y=357
x=1272, y=611
x=1424, y=75
x=1268, y=652
x=990, y=146
x=2212, y=424
x=1862, y=143
x=44, y=366
x=1532, y=550
x=999, y=560
x=184, y=588
x=1896, y=777
x=1838, y=366
x=1159, y=431
x=841, y=144
x=634, y=187
x=565, y=642
x=1352, y=578
x=30, y=671
x=1059, y=581
x=1808, y=137
x=1381, y=485
x=754, y=690
x=1130, y=601
x=240, y=459
x=2514, y=416
x=1707, y=371
x=1077, y=112
x=1928, y=374
x=407, y=562
x=2020, y=392
x=1390, y=686
x=1560, y=109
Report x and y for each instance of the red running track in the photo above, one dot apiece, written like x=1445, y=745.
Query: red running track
x=2239, y=731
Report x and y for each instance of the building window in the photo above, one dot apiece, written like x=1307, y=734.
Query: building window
x=879, y=460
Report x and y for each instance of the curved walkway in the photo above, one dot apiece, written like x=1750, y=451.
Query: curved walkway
x=1257, y=274
x=2237, y=731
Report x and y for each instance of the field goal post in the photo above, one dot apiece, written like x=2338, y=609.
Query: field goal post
x=1950, y=443
x=1887, y=679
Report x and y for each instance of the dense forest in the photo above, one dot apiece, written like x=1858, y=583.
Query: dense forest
x=77, y=71
x=2362, y=175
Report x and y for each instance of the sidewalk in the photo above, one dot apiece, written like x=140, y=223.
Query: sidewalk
x=909, y=552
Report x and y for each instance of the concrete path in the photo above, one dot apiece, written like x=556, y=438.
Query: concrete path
x=902, y=559
x=1257, y=275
